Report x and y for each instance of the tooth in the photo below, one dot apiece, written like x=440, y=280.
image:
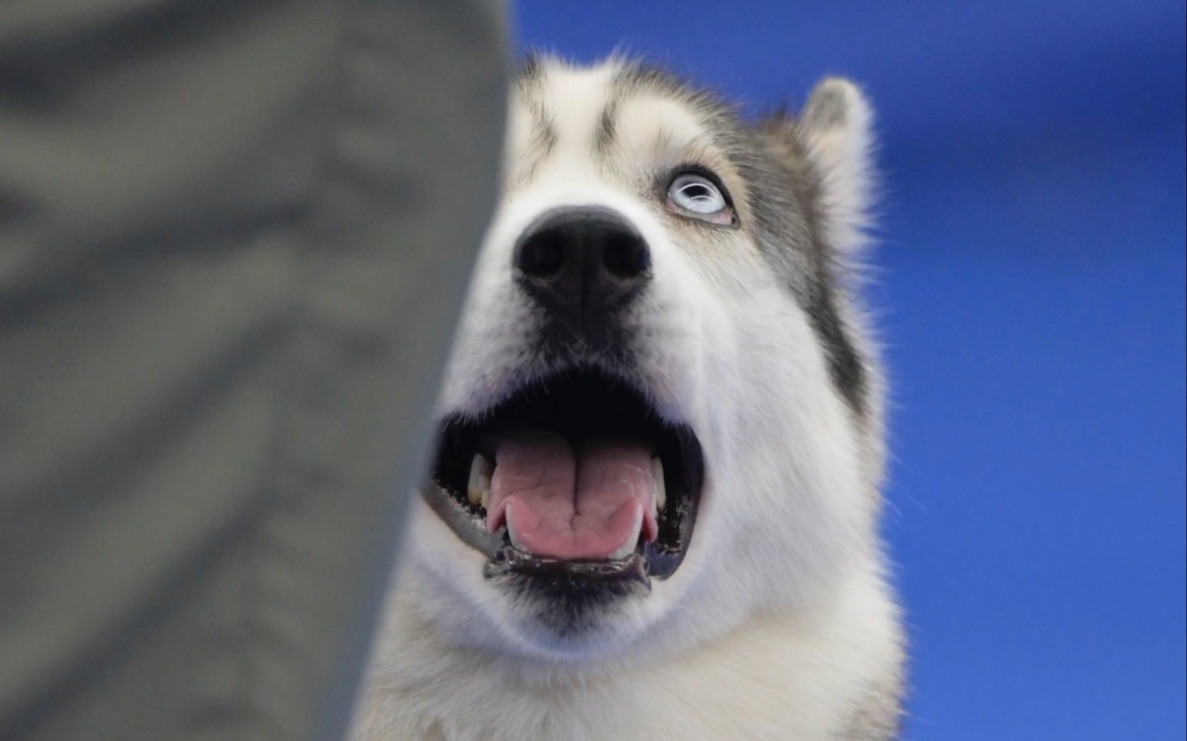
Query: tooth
x=632, y=540
x=512, y=530
x=657, y=477
x=478, y=489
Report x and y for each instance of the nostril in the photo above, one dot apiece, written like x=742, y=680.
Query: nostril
x=625, y=255
x=543, y=254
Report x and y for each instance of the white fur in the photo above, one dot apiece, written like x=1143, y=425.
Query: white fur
x=778, y=623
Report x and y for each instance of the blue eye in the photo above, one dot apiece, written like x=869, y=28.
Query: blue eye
x=699, y=197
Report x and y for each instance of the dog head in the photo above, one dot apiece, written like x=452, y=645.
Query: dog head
x=660, y=415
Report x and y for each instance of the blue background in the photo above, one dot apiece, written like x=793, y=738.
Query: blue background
x=1031, y=289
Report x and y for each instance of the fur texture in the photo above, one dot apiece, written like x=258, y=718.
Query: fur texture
x=779, y=623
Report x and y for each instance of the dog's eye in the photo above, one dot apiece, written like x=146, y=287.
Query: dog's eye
x=700, y=198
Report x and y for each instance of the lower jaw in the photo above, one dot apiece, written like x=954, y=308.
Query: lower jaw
x=652, y=561
x=511, y=560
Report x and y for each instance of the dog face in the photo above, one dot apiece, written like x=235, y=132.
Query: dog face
x=659, y=416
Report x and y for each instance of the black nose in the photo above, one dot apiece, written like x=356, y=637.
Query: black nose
x=583, y=264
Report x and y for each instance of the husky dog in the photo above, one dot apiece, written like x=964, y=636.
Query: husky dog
x=655, y=494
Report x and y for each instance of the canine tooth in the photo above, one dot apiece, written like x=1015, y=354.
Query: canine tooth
x=632, y=540
x=657, y=477
x=478, y=489
x=512, y=530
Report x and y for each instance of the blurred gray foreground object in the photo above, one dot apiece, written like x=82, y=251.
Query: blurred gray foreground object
x=234, y=237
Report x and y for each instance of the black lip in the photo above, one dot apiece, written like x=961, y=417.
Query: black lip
x=576, y=402
x=511, y=560
x=464, y=524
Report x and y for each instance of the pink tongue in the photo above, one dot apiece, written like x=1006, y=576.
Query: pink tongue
x=570, y=504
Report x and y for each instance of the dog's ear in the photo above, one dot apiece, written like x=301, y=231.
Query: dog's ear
x=829, y=143
x=835, y=128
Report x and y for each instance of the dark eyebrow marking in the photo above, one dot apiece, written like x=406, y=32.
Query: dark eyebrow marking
x=606, y=131
x=542, y=140
x=544, y=136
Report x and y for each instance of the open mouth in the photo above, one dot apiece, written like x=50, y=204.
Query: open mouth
x=574, y=476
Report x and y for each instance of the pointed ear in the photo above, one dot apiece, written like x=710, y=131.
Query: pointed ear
x=835, y=128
